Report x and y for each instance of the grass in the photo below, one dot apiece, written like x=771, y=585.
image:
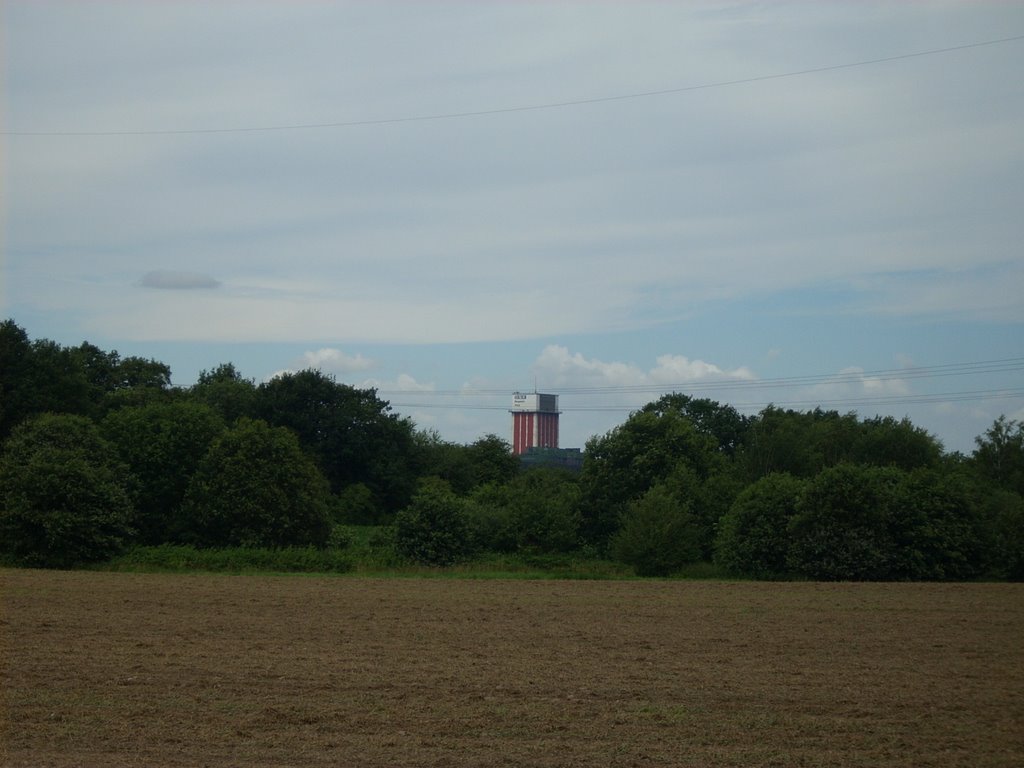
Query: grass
x=367, y=551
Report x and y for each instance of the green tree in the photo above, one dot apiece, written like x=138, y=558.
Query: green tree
x=753, y=537
x=999, y=456
x=843, y=529
x=256, y=488
x=658, y=534
x=885, y=442
x=162, y=443
x=227, y=392
x=63, y=494
x=622, y=465
x=37, y=377
x=535, y=512
x=350, y=433
x=940, y=531
x=434, y=528
x=721, y=422
x=1004, y=511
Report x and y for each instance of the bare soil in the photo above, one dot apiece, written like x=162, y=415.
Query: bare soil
x=152, y=670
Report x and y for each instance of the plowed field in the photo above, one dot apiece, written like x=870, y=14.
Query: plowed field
x=150, y=670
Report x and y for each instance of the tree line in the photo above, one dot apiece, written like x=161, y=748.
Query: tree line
x=99, y=453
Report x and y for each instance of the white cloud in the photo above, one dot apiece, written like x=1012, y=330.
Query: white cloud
x=328, y=360
x=556, y=367
x=333, y=360
x=851, y=384
x=401, y=384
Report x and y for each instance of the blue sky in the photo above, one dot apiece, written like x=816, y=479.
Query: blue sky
x=253, y=182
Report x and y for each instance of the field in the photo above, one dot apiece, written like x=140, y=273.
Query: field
x=103, y=669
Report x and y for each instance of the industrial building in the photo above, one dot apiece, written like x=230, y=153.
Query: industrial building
x=534, y=421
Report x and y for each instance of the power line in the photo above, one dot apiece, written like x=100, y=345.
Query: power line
x=882, y=400
x=1006, y=365
x=523, y=108
x=484, y=399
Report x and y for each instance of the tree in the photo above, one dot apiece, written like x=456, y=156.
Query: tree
x=999, y=456
x=535, y=512
x=622, y=465
x=465, y=467
x=843, y=529
x=886, y=442
x=37, y=377
x=350, y=433
x=753, y=538
x=939, y=530
x=434, y=528
x=1004, y=510
x=227, y=392
x=162, y=443
x=721, y=422
x=658, y=534
x=256, y=488
x=63, y=494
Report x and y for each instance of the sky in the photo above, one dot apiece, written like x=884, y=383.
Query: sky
x=759, y=202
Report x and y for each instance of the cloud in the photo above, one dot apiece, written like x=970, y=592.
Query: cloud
x=401, y=384
x=328, y=360
x=335, y=361
x=170, y=280
x=853, y=384
x=556, y=367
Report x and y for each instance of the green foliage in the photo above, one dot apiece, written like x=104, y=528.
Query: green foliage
x=162, y=443
x=999, y=456
x=939, y=530
x=804, y=443
x=537, y=511
x=886, y=442
x=465, y=467
x=227, y=392
x=843, y=527
x=63, y=494
x=658, y=534
x=37, y=377
x=753, y=538
x=355, y=505
x=434, y=528
x=256, y=488
x=349, y=432
x=186, y=558
x=1004, y=511
x=623, y=464
x=723, y=423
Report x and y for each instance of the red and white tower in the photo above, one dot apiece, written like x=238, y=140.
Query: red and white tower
x=534, y=421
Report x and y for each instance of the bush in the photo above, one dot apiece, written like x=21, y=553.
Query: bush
x=256, y=488
x=537, y=511
x=184, y=558
x=433, y=529
x=843, y=529
x=658, y=534
x=63, y=494
x=162, y=443
x=753, y=537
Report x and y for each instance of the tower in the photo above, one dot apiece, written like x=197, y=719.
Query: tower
x=534, y=421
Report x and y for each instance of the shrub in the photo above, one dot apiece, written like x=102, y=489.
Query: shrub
x=843, y=529
x=256, y=488
x=658, y=534
x=433, y=529
x=63, y=494
x=753, y=537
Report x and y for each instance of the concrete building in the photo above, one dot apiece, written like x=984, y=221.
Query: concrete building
x=534, y=421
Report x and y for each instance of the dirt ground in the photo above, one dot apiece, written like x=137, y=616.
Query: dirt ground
x=151, y=670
